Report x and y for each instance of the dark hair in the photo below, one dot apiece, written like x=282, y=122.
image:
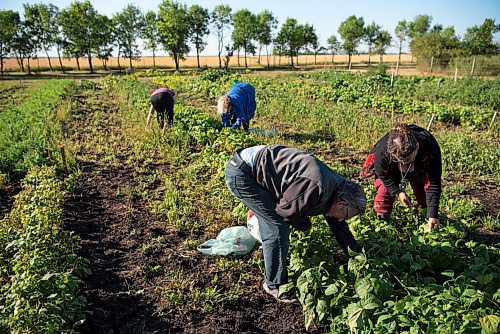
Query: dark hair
x=401, y=142
x=354, y=195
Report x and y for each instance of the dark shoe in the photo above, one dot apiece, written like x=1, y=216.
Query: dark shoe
x=384, y=216
x=285, y=297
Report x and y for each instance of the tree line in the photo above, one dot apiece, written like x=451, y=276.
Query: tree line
x=79, y=31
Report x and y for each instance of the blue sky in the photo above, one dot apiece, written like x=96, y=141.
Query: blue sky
x=325, y=15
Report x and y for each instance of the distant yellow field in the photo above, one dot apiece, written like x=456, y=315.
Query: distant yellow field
x=208, y=61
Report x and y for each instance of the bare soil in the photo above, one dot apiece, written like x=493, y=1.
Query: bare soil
x=124, y=295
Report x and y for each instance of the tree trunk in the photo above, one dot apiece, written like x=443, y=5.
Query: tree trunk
x=1, y=64
x=176, y=59
x=369, y=54
x=291, y=58
x=315, y=59
x=239, y=58
x=267, y=56
x=349, y=60
x=89, y=58
x=20, y=61
x=333, y=59
x=198, y=56
x=60, y=60
x=399, y=53
x=50, y=64
x=260, y=49
x=154, y=64
x=220, y=60
x=246, y=65
x=78, y=62
x=29, y=67
x=380, y=60
x=130, y=61
x=118, y=60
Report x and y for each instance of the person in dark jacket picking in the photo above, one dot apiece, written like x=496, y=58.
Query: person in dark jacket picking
x=408, y=154
x=237, y=107
x=162, y=100
x=284, y=186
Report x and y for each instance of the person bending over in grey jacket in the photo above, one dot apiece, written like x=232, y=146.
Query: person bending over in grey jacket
x=283, y=186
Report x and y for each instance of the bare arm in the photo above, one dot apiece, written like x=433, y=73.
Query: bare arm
x=150, y=116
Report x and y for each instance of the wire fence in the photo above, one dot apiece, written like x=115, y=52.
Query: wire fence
x=455, y=68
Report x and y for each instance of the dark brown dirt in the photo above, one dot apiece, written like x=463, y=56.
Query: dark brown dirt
x=134, y=254
x=7, y=193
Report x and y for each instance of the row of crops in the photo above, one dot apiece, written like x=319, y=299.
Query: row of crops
x=406, y=280
x=410, y=281
x=39, y=270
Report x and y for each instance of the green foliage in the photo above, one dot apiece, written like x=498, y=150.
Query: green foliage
x=39, y=272
x=173, y=27
x=128, y=25
x=198, y=21
x=352, y=30
x=30, y=132
x=293, y=37
x=405, y=280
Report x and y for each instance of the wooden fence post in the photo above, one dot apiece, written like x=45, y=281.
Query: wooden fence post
x=456, y=74
x=473, y=66
x=392, y=75
x=430, y=122
x=432, y=63
x=492, y=120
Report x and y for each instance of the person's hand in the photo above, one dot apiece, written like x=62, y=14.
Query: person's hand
x=433, y=224
x=404, y=199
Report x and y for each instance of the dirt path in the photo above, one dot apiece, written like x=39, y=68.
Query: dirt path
x=135, y=257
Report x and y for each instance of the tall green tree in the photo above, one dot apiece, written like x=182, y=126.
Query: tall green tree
x=266, y=24
x=199, y=19
x=294, y=37
x=289, y=38
x=9, y=23
x=310, y=41
x=80, y=25
x=173, y=27
x=150, y=33
x=104, y=46
x=402, y=29
x=244, y=33
x=42, y=19
x=478, y=40
x=334, y=46
x=440, y=43
x=129, y=24
x=382, y=42
x=351, y=31
x=23, y=45
x=420, y=25
x=372, y=31
x=221, y=19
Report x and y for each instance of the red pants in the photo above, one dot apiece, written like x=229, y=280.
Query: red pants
x=384, y=201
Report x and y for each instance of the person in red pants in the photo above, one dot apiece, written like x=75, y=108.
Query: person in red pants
x=406, y=155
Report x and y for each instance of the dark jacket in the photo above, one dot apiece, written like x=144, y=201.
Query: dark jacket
x=427, y=169
x=303, y=186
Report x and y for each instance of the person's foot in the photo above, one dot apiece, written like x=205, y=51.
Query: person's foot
x=384, y=216
x=285, y=297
